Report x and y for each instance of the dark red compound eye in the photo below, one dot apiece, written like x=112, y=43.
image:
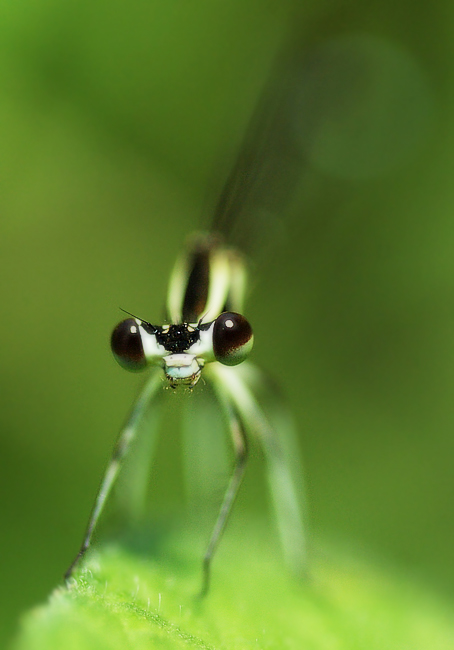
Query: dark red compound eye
x=232, y=338
x=126, y=344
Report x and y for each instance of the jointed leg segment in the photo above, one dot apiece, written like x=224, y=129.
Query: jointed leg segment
x=123, y=444
x=241, y=452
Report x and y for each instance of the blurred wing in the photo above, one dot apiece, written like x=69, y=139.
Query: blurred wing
x=264, y=177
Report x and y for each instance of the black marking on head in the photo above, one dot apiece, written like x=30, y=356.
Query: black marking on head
x=203, y=327
x=149, y=328
x=177, y=338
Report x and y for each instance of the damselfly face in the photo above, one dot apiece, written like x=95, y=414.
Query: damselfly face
x=207, y=279
x=182, y=349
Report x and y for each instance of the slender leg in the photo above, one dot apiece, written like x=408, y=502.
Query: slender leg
x=241, y=452
x=122, y=446
x=276, y=435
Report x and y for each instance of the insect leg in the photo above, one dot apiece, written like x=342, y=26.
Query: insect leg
x=122, y=446
x=241, y=452
x=276, y=434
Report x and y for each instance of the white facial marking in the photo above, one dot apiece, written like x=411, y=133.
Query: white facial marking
x=203, y=348
x=182, y=368
x=153, y=350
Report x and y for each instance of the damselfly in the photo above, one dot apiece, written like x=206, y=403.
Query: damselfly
x=206, y=333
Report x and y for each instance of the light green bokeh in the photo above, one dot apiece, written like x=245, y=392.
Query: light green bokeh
x=114, y=121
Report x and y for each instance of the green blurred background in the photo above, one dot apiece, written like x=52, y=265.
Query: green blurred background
x=113, y=117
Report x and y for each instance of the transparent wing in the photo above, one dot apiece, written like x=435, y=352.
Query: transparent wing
x=262, y=182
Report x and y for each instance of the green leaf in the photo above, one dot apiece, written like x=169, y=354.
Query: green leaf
x=123, y=598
